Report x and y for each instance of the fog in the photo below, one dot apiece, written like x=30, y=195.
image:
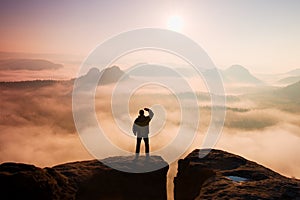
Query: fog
x=276, y=147
x=37, y=126
x=40, y=146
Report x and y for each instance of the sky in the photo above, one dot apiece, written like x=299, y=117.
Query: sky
x=263, y=36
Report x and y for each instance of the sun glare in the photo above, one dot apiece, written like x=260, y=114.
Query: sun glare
x=175, y=23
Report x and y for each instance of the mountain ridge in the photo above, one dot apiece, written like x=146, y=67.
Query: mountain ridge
x=290, y=91
x=240, y=74
x=294, y=72
x=28, y=64
x=289, y=80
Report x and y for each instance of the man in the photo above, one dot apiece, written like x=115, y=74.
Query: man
x=141, y=130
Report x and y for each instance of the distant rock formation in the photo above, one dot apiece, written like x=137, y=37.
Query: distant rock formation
x=83, y=180
x=112, y=75
x=106, y=76
x=221, y=175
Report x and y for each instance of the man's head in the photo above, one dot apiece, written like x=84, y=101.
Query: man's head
x=141, y=112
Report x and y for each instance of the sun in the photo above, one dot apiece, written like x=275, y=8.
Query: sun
x=175, y=23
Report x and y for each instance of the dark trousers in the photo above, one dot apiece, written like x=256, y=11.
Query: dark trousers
x=138, y=145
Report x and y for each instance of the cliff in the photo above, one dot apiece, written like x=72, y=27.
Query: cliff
x=83, y=180
x=222, y=175
x=219, y=175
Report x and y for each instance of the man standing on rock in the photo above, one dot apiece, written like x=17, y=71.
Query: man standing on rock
x=141, y=130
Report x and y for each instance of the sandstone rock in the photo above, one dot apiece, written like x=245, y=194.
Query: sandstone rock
x=218, y=176
x=84, y=180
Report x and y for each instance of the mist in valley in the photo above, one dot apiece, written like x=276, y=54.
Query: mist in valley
x=37, y=124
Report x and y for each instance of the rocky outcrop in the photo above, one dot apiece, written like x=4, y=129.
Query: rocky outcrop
x=21, y=181
x=84, y=180
x=221, y=175
x=96, y=77
x=94, y=180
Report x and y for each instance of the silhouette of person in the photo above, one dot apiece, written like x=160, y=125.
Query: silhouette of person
x=141, y=130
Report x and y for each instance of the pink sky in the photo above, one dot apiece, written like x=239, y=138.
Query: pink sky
x=261, y=35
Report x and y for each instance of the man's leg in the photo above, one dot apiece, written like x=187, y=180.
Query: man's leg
x=138, y=145
x=146, y=140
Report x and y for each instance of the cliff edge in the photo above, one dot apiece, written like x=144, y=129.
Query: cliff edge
x=222, y=175
x=84, y=180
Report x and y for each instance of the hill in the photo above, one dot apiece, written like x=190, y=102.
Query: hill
x=28, y=64
x=234, y=75
x=294, y=72
x=289, y=80
x=290, y=92
x=241, y=75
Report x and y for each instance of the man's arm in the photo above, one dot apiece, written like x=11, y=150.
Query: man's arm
x=151, y=114
x=134, y=129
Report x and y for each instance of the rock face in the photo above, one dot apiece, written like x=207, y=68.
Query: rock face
x=83, y=180
x=21, y=181
x=221, y=175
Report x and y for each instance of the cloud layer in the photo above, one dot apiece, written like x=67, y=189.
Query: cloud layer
x=37, y=126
